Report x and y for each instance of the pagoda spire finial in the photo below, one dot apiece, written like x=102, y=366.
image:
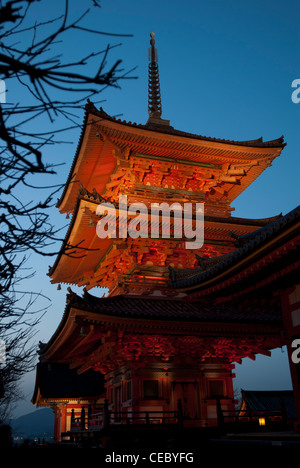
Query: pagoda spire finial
x=154, y=97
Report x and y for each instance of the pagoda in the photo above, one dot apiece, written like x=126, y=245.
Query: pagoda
x=158, y=346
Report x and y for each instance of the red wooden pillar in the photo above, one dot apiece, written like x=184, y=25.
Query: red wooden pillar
x=57, y=421
x=63, y=418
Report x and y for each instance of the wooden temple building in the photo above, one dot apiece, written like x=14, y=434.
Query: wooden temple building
x=164, y=342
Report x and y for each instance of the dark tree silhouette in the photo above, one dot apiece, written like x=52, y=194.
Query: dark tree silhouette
x=52, y=88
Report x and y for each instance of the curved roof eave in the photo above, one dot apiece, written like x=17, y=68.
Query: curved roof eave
x=90, y=109
x=253, y=241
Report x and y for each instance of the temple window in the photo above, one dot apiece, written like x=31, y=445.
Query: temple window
x=216, y=388
x=150, y=388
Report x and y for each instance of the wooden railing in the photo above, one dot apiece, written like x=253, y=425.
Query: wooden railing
x=139, y=417
x=99, y=420
x=77, y=424
x=96, y=420
x=89, y=420
x=253, y=415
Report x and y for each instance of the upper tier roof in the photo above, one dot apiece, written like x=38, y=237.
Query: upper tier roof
x=105, y=140
x=169, y=130
x=82, y=263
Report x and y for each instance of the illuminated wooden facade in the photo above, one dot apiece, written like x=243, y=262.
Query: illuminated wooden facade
x=154, y=351
x=154, y=343
x=261, y=275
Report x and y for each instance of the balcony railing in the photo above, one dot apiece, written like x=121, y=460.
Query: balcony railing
x=254, y=415
x=99, y=420
x=89, y=421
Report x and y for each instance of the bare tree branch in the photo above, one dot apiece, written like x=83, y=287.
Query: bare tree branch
x=33, y=65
